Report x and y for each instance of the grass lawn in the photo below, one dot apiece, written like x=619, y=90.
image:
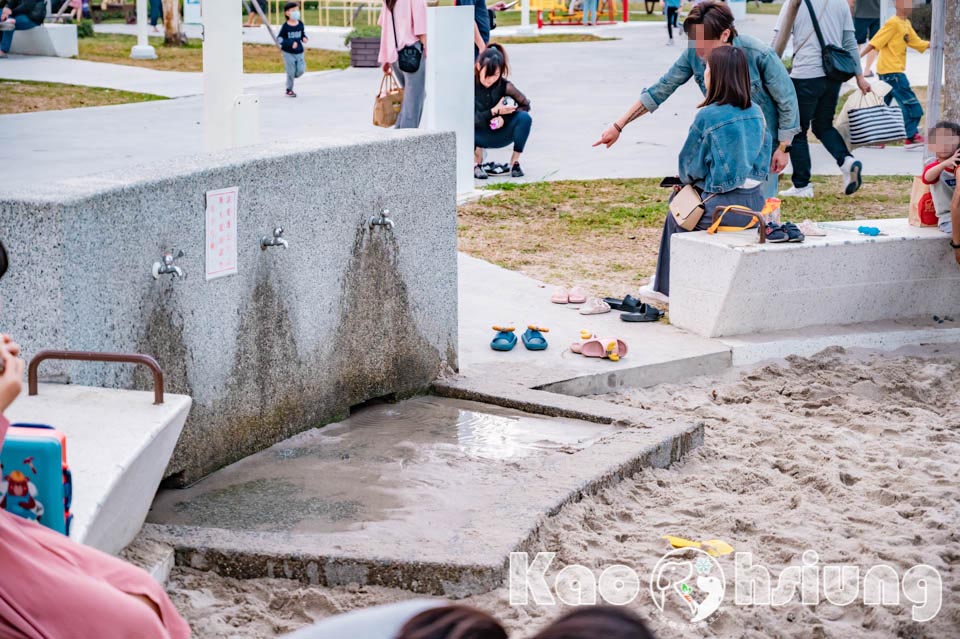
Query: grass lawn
x=556, y=37
x=20, y=96
x=604, y=234
x=767, y=9
x=257, y=58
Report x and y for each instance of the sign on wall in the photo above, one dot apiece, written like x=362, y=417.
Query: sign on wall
x=221, y=237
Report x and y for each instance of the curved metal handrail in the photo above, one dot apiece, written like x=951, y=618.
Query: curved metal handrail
x=88, y=356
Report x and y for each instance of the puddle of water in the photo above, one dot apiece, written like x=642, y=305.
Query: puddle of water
x=386, y=462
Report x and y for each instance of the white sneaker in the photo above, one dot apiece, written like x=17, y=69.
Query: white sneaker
x=793, y=191
x=852, y=175
x=671, y=43
x=646, y=292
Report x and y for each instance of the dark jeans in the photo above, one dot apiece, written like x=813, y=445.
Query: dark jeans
x=817, y=99
x=673, y=14
x=156, y=12
x=516, y=130
x=865, y=28
x=753, y=199
x=23, y=23
x=906, y=98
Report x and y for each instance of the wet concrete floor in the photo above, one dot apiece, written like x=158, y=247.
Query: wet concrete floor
x=387, y=462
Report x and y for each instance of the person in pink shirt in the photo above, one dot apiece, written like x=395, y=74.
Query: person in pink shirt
x=403, y=23
x=54, y=588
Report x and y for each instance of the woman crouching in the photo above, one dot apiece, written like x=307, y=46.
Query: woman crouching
x=501, y=114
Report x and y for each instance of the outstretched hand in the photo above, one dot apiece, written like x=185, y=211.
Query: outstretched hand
x=609, y=137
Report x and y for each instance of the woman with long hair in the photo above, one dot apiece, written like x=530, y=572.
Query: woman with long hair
x=403, y=23
x=726, y=156
x=501, y=113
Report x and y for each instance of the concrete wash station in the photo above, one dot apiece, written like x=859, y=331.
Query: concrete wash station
x=349, y=311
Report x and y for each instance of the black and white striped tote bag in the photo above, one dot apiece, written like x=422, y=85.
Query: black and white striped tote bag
x=876, y=124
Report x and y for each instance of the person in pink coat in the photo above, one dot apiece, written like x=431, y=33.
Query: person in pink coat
x=54, y=588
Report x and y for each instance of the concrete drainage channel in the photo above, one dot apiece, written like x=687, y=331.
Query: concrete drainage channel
x=401, y=495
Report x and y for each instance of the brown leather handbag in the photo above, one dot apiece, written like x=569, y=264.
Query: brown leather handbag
x=386, y=108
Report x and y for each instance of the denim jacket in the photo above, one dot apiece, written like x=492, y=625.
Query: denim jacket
x=770, y=85
x=726, y=146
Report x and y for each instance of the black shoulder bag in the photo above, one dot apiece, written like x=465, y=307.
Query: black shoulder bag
x=838, y=64
x=408, y=58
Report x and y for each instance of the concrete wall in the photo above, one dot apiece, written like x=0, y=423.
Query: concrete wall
x=728, y=284
x=299, y=335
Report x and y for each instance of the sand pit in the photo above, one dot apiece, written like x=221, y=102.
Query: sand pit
x=853, y=455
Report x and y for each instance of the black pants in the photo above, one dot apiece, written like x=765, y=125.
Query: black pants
x=673, y=14
x=817, y=99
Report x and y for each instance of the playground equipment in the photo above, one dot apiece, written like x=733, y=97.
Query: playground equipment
x=559, y=12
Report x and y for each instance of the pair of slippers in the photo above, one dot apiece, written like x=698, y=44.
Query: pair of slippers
x=592, y=346
x=634, y=310
x=506, y=338
x=780, y=233
x=575, y=295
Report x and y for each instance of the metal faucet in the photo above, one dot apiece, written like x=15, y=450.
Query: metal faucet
x=276, y=240
x=167, y=267
x=382, y=220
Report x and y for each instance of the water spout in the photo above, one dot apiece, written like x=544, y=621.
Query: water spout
x=277, y=240
x=381, y=220
x=167, y=267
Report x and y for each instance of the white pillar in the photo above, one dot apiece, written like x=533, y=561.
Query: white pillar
x=449, y=99
x=739, y=8
x=142, y=50
x=224, y=107
x=525, y=28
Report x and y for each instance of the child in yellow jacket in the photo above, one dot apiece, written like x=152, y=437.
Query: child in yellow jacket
x=892, y=41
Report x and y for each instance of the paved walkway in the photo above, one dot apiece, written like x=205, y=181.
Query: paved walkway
x=576, y=90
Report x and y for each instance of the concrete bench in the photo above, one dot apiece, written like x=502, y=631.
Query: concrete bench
x=118, y=447
x=728, y=284
x=55, y=40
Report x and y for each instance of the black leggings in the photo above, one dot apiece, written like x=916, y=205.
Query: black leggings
x=673, y=16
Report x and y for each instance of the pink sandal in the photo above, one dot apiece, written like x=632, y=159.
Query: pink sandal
x=612, y=349
x=577, y=295
x=560, y=296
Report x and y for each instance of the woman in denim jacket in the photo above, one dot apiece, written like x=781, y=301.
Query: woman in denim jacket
x=710, y=25
x=726, y=155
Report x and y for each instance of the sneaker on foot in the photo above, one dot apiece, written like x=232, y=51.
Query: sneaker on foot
x=794, y=191
x=291, y=94
x=516, y=171
x=479, y=173
x=915, y=142
x=852, y=175
x=670, y=42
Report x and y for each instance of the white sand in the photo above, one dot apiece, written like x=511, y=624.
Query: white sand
x=853, y=456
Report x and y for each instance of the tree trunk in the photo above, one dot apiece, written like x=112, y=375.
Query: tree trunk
x=173, y=35
x=951, y=85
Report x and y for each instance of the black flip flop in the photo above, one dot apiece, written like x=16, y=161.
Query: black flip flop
x=629, y=303
x=646, y=313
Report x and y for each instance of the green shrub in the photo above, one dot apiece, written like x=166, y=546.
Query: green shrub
x=85, y=29
x=364, y=31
